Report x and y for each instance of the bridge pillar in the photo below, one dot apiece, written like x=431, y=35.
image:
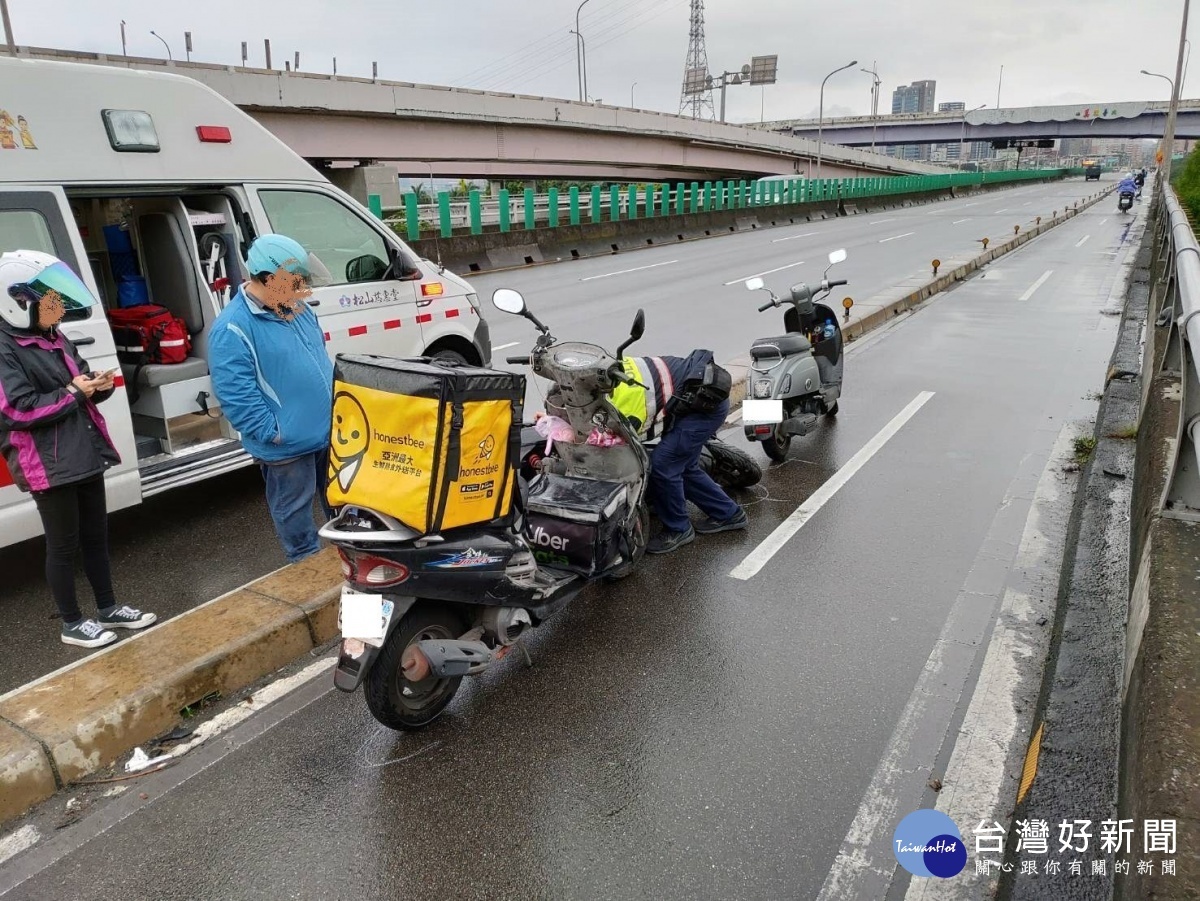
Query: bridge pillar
x=362, y=181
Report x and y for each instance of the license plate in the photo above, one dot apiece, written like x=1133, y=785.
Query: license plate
x=762, y=411
x=364, y=616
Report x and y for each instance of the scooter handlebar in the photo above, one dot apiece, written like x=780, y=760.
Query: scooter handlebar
x=766, y=306
x=526, y=360
x=837, y=282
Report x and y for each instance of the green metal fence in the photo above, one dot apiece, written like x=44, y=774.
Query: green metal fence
x=655, y=200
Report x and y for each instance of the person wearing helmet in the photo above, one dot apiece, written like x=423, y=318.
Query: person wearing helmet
x=274, y=380
x=55, y=440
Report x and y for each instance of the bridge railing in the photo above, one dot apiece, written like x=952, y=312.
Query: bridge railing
x=1176, y=302
x=511, y=211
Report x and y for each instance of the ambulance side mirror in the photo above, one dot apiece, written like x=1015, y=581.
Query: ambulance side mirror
x=509, y=301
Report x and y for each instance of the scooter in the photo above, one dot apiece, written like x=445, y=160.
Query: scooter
x=421, y=611
x=1125, y=202
x=730, y=467
x=796, y=377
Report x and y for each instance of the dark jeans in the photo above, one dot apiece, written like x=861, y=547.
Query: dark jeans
x=291, y=488
x=75, y=517
x=676, y=476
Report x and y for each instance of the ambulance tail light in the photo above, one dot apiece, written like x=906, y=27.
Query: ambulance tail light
x=213, y=134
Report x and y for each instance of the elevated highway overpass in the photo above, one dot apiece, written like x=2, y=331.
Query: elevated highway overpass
x=1140, y=119
x=421, y=130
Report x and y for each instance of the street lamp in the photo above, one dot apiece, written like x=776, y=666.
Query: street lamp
x=962, y=142
x=821, y=109
x=165, y=44
x=1170, y=124
x=875, y=83
x=580, y=54
x=8, y=36
x=123, y=50
x=631, y=87
x=578, y=42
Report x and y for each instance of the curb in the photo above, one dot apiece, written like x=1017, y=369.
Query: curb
x=60, y=729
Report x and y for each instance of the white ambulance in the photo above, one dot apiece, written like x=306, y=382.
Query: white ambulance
x=151, y=186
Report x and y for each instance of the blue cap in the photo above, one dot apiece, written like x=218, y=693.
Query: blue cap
x=269, y=252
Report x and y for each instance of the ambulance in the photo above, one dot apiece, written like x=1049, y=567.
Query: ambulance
x=151, y=186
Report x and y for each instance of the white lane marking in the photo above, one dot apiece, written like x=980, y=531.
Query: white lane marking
x=1005, y=210
x=506, y=346
x=1027, y=203
x=592, y=278
x=1105, y=219
x=1082, y=241
x=959, y=221
x=972, y=203
x=16, y=842
x=1033, y=288
x=897, y=237
x=737, y=281
x=227, y=719
x=773, y=543
x=880, y=221
x=794, y=237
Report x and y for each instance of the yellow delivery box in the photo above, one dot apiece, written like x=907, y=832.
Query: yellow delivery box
x=436, y=446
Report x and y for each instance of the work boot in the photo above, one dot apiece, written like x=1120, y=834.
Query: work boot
x=667, y=541
x=711, y=526
x=126, y=618
x=87, y=633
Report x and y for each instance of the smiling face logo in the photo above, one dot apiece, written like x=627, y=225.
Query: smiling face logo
x=486, y=446
x=350, y=439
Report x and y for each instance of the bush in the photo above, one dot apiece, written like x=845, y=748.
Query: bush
x=1187, y=184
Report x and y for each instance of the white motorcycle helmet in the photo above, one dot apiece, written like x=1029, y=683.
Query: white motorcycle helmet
x=26, y=276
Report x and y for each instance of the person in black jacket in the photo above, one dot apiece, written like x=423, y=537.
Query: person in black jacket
x=55, y=441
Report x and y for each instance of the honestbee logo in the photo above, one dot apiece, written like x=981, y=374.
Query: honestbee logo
x=927, y=843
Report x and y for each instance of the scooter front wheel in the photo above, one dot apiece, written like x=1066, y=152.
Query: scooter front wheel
x=778, y=445
x=392, y=698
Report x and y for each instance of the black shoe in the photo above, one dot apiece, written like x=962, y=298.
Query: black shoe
x=711, y=526
x=668, y=541
x=126, y=618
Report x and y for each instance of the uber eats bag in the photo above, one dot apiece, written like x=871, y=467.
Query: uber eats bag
x=434, y=446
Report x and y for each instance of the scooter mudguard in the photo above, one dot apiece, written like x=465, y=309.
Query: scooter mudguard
x=350, y=671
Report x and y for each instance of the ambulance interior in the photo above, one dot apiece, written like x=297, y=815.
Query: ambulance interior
x=179, y=251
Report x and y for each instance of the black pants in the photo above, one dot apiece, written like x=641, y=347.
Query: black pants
x=75, y=517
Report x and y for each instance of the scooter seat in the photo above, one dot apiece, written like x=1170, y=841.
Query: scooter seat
x=784, y=344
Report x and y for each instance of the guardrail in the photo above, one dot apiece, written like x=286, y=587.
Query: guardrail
x=1177, y=303
x=576, y=206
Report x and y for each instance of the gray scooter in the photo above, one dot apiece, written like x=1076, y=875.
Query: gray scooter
x=796, y=377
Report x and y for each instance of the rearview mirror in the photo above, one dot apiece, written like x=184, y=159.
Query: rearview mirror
x=837, y=256
x=639, y=325
x=508, y=301
x=754, y=284
x=639, y=328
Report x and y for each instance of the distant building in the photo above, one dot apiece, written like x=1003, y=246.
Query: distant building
x=913, y=98
x=950, y=153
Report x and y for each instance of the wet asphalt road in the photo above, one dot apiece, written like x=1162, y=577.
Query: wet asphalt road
x=683, y=733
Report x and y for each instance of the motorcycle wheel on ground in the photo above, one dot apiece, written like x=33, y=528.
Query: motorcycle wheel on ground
x=392, y=698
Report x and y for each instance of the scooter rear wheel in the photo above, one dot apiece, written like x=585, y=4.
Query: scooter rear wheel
x=778, y=445
x=392, y=699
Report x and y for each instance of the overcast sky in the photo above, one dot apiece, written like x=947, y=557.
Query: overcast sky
x=1053, y=51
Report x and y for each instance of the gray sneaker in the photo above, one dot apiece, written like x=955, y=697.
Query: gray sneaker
x=87, y=633
x=126, y=618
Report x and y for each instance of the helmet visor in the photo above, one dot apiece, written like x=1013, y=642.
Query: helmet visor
x=58, y=279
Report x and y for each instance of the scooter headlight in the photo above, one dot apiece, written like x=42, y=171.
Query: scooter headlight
x=762, y=388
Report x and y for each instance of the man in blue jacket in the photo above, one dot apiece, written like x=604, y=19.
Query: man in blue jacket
x=274, y=380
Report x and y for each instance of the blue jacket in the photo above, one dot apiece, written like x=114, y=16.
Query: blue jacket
x=273, y=378
x=1127, y=186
